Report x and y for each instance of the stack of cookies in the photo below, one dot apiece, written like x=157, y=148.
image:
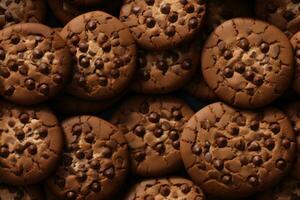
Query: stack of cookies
x=149, y=100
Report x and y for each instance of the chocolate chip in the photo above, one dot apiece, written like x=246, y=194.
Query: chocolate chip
x=20, y=149
x=107, y=152
x=177, y=114
x=275, y=128
x=24, y=118
x=187, y=64
x=4, y=152
x=270, y=144
x=149, y=2
x=286, y=143
x=254, y=125
x=139, y=130
x=15, y=39
x=240, y=120
x=81, y=176
x=92, y=24
x=226, y=179
x=257, y=160
x=115, y=73
x=189, y=8
x=89, y=138
x=106, y=47
x=44, y=68
x=271, y=7
x=165, y=191
x=75, y=39
x=44, y=89
x=281, y=164
x=174, y=135
x=176, y=144
x=83, y=47
x=221, y=142
x=37, y=54
x=193, y=23
x=173, y=16
x=218, y=164
x=264, y=47
x=154, y=117
x=240, y=145
x=29, y=84
x=109, y=173
x=228, y=73
x=158, y=132
x=70, y=195
x=79, y=154
x=253, y=180
x=227, y=54
x=288, y=15
x=60, y=182
x=139, y=156
x=32, y=149
x=23, y=69
x=81, y=81
x=103, y=81
x=9, y=91
x=96, y=187
x=149, y=197
x=99, y=63
x=58, y=79
x=4, y=72
x=244, y=44
x=136, y=9
x=254, y=146
x=20, y=134
x=235, y=130
x=185, y=188
x=183, y=2
x=165, y=8
x=76, y=129
x=84, y=62
x=150, y=22
x=160, y=148
x=196, y=149
x=95, y=164
x=2, y=54
x=258, y=80
x=13, y=66
x=249, y=75
x=43, y=132
x=170, y=31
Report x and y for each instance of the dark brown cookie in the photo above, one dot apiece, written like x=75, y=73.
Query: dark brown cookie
x=292, y=109
x=21, y=11
x=247, y=63
x=104, y=53
x=160, y=24
x=152, y=127
x=30, y=143
x=34, y=63
x=165, y=188
x=295, y=41
x=165, y=71
x=286, y=190
x=20, y=193
x=233, y=153
x=285, y=14
x=85, y=2
x=94, y=163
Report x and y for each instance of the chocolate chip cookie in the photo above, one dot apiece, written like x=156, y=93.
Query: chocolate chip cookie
x=30, y=143
x=152, y=127
x=94, y=163
x=247, y=63
x=85, y=2
x=165, y=188
x=34, y=63
x=20, y=193
x=161, y=24
x=295, y=41
x=286, y=190
x=104, y=55
x=165, y=71
x=292, y=109
x=285, y=14
x=232, y=153
x=21, y=11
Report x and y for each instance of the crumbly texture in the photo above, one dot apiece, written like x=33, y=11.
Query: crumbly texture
x=292, y=109
x=94, y=163
x=165, y=71
x=233, y=153
x=34, y=63
x=285, y=14
x=295, y=41
x=286, y=190
x=21, y=11
x=20, y=193
x=161, y=24
x=164, y=189
x=104, y=55
x=152, y=127
x=30, y=143
x=247, y=63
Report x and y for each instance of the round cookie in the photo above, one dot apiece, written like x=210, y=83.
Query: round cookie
x=161, y=24
x=152, y=127
x=247, y=63
x=30, y=143
x=286, y=190
x=34, y=63
x=233, y=153
x=20, y=193
x=165, y=71
x=295, y=41
x=21, y=11
x=285, y=14
x=94, y=163
x=292, y=109
x=164, y=189
x=104, y=56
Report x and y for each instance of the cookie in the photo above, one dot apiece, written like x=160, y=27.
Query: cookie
x=34, y=63
x=152, y=127
x=94, y=163
x=21, y=11
x=285, y=14
x=232, y=153
x=198, y=88
x=20, y=193
x=161, y=24
x=104, y=55
x=85, y=2
x=165, y=71
x=165, y=188
x=292, y=109
x=247, y=63
x=295, y=41
x=30, y=143
x=286, y=190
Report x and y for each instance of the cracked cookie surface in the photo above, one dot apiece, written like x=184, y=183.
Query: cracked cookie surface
x=295, y=41
x=165, y=188
x=21, y=11
x=94, y=163
x=30, y=143
x=161, y=24
x=20, y=193
x=152, y=127
x=285, y=14
x=247, y=63
x=165, y=71
x=233, y=153
x=34, y=63
x=104, y=55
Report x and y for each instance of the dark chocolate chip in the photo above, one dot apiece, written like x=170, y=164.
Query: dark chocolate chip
x=139, y=130
x=249, y=75
x=136, y=9
x=281, y=164
x=165, y=8
x=149, y=2
x=258, y=80
x=109, y=173
x=174, y=135
x=288, y=15
x=89, y=138
x=4, y=72
x=228, y=73
x=84, y=62
x=139, y=156
x=44, y=89
x=79, y=154
x=150, y=22
x=196, y=149
x=70, y=195
x=83, y=47
x=96, y=187
x=81, y=176
x=154, y=117
x=58, y=79
x=24, y=118
x=173, y=16
x=257, y=160
x=270, y=144
x=20, y=134
x=235, y=130
x=227, y=54
x=15, y=39
x=226, y=179
x=165, y=191
x=221, y=142
x=244, y=44
x=254, y=125
x=253, y=180
x=185, y=188
x=9, y=91
x=189, y=8
x=95, y=164
x=4, y=152
x=187, y=64
x=218, y=164
x=29, y=84
x=103, y=81
x=286, y=143
x=37, y=54
x=170, y=31
x=193, y=23
x=264, y=47
x=92, y=24
x=158, y=132
x=275, y=128
x=32, y=149
x=160, y=148
x=240, y=145
x=44, y=68
x=107, y=152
